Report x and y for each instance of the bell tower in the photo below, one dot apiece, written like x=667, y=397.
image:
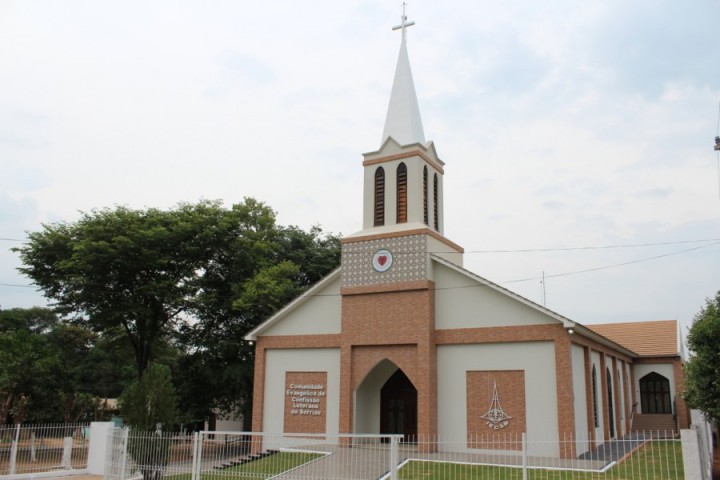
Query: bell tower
x=403, y=221
x=387, y=279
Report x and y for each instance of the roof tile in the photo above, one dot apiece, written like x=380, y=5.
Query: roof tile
x=647, y=339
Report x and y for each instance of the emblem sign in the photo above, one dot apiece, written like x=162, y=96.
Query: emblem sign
x=496, y=418
x=382, y=260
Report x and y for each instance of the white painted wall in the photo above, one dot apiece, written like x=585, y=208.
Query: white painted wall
x=320, y=314
x=280, y=361
x=442, y=250
x=537, y=359
x=475, y=305
x=579, y=398
x=642, y=369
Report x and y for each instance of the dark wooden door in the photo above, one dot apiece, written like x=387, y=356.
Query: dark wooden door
x=398, y=407
x=655, y=394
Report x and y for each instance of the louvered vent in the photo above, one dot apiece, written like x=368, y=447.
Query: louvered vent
x=401, y=193
x=379, y=197
x=425, y=196
x=435, y=203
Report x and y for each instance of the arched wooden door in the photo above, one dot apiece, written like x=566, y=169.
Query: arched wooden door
x=398, y=407
x=655, y=394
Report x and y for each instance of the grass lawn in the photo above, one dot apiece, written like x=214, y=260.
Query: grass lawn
x=264, y=468
x=655, y=460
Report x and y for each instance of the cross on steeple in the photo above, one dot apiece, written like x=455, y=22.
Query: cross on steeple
x=403, y=22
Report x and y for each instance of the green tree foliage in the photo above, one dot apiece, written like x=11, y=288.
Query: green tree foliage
x=48, y=369
x=217, y=370
x=703, y=369
x=149, y=406
x=28, y=366
x=197, y=277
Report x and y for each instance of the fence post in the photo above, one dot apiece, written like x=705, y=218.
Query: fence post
x=692, y=457
x=33, y=453
x=67, y=453
x=123, y=453
x=394, y=441
x=14, y=450
x=195, y=469
x=524, y=456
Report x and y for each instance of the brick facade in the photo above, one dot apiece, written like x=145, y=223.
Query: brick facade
x=503, y=435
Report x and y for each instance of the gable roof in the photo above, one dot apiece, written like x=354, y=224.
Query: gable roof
x=648, y=339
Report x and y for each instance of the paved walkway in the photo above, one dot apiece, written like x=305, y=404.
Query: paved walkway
x=614, y=450
x=374, y=461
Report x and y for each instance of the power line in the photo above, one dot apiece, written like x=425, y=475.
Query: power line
x=716, y=241
x=604, y=267
x=595, y=247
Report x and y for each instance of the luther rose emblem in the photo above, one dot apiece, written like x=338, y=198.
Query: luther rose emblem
x=382, y=261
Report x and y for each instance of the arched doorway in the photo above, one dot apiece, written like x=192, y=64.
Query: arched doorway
x=398, y=406
x=655, y=394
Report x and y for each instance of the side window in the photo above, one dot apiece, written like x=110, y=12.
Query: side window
x=594, y=396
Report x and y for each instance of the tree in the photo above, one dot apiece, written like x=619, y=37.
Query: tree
x=49, y=369
x=149, y=406
x=150, y=403
x=141, y=269
x=218, y=368
x=197, y=277
x=703, y=369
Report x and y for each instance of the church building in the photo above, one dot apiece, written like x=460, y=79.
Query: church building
x=402, y=339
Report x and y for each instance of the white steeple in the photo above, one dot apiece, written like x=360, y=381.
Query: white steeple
x=403, y=121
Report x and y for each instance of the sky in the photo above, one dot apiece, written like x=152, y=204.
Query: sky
x=564, y=125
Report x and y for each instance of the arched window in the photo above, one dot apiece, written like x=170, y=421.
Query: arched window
x=655, y=394
x=379, y=197
x=436, y=220
x=425, y=195
x=401, y=193
x=611, y=412
x=594, y=396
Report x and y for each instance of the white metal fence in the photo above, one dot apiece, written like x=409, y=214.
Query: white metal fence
x=27, y=449
x=235, y=455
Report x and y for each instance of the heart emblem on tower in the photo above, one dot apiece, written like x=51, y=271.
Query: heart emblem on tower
x=382, y=261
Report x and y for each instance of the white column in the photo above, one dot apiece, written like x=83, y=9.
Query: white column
x=97, y=450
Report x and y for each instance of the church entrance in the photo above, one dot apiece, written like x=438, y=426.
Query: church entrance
x=398, y=407
x=655, y=394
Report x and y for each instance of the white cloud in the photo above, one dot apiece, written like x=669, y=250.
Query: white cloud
x=562, y=124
